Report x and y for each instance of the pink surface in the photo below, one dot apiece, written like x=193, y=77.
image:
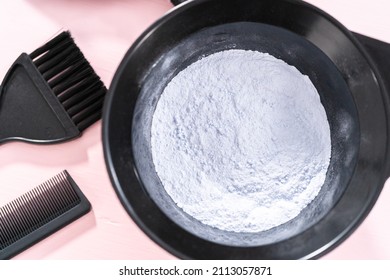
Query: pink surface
x=104, y=30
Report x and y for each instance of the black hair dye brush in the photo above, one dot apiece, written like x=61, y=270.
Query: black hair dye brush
x=51, y=95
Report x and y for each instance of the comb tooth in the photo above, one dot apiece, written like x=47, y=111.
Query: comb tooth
x=35, y=210
x=67, y=180
x=51, y=202
x=45, y=201
x=62, y=36
x=3, y=236
x=41, y=211
x=7, y=224
x=60, y=193
x=61, y=180
x=60, y=202
x=2, y=229
x=63, y=191
x=5, y=229
x=57, y=192
x=25, y=218
x=39, y=199
x=71, y=192
x=12, y=226
x=26, y=203
x=13, y=222
x=21, y=214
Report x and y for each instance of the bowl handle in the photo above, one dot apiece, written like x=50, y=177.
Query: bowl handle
x=379, y=52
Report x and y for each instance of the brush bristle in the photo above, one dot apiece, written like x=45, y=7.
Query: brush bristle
x=36, y=208
x=72, y=79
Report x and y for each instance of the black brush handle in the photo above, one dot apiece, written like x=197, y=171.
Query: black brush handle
x=29, y=111
x=51, y=95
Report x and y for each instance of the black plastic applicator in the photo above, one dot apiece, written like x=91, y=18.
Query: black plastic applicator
x=51, y=95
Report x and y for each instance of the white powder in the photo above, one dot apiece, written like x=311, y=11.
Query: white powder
x=241, y=141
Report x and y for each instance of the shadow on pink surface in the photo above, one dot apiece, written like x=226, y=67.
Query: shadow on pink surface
x=59, y=241
x=102, y=18
x=75, y=151
x=104, y=30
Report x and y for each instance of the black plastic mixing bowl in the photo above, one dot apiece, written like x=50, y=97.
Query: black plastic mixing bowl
x=350, y=89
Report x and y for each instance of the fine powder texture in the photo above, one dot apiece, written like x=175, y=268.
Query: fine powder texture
x=241, y=141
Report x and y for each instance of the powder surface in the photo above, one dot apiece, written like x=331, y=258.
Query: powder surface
x=241, y=141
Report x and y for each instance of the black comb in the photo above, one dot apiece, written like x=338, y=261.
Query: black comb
x=51, y=95
x=39, y=213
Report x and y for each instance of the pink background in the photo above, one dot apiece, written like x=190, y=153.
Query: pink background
x=104, y=30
